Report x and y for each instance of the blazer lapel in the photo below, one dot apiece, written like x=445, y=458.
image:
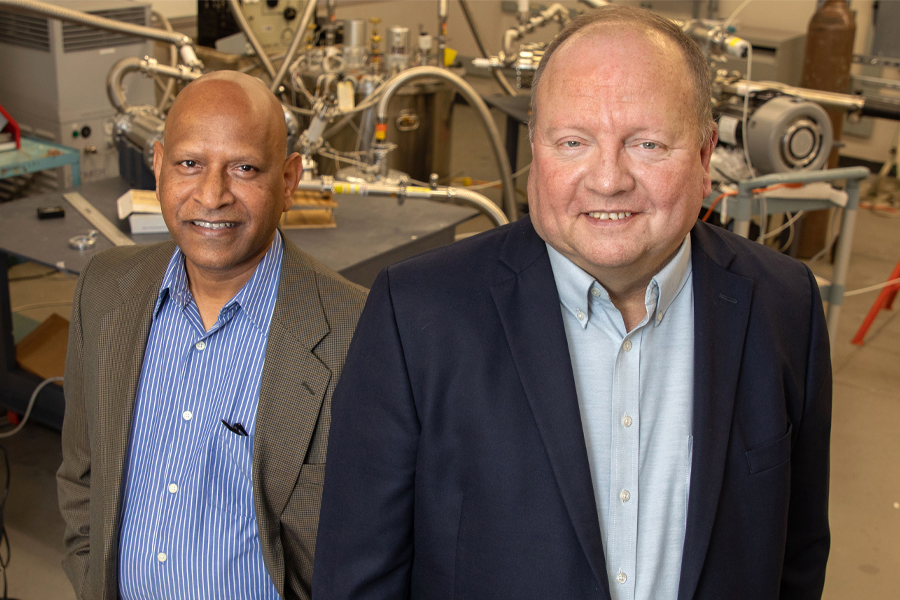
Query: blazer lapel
x=528, y=304
x=721, y=313
x=122, y=342
x=293, y=387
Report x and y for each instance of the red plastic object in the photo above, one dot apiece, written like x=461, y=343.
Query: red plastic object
x=13, y=418
x=885, y=301
x=13, y=128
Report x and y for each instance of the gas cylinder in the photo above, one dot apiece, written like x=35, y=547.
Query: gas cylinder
x=826, y=66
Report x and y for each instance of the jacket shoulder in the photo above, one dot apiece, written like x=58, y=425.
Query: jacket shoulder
x=471, y=261
x=125, y=271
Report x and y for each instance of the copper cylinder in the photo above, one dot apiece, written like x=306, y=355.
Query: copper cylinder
x=826, y=66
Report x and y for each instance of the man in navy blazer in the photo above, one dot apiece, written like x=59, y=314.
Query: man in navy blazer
x=491, y=404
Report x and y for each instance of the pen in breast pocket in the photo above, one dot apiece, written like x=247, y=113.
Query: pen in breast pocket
x=236, y=428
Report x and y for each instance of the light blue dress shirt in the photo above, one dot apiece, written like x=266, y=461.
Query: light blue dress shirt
x=635, y=394
x=189, y=528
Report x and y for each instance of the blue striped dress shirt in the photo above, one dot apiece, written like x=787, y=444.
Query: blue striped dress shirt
x=188, y=527
x=635, y=394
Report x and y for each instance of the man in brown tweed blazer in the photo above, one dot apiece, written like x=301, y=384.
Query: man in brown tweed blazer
x=223, y=181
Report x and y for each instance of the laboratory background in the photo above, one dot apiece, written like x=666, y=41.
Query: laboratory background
x=411, y=121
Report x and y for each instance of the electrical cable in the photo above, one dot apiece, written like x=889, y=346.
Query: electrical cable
x=31, y=402
x=872, y=288
x=40, y=305
x=746, y=144
x=734, y=15
x=789, y=223
x=4, y=539
x=498, y=183
x=832, y=238
x=755, y=191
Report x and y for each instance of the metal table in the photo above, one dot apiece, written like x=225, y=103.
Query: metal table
x=39, y=155
x=371, y=234
x=746, y=204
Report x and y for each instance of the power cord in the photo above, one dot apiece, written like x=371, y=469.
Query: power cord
x=4, y=538
x=27, y=414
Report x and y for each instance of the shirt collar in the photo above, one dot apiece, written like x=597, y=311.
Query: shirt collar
x=574, y=285
x=251, y=297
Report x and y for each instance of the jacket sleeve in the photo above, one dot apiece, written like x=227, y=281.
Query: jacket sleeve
x=364, y=547
x=808, y=536
x=74, y=475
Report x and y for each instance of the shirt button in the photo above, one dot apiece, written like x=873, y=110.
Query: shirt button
x=625, y=495
x=595, y=292
x=187, y=415
x=201, y=345
x=580, y=315
x=626, y=421
x=627, y=345
x=621, y=577
x=659, y=317
x=161, y=557
x=173, y=488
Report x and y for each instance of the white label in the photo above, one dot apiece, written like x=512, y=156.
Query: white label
x=728, y=130
x=345, y=96
x=107, y=51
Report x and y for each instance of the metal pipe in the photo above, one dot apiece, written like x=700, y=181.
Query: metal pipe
x=441, y=194
x=128, y=65
x=242, y=22
x=848, y=102
x=443, y=12
x=498, y=75
x=509, y=193
x=183, y=42
x=173, y=59
x=114, y=81
x=308, y=13
x=555, y=11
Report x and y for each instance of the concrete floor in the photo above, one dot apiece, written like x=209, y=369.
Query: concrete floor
x=865, y=486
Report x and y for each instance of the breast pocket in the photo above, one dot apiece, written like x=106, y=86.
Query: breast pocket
x=770, y=455
x=229, y=483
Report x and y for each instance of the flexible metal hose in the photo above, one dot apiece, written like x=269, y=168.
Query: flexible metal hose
x=509, y=193
x=53, y=11
x=308, y=14
x=136, y=65
x=498, y=76
x=242, y=22
x=473, y=199
x=114, y=81
x=173, y=60
x=553, y=12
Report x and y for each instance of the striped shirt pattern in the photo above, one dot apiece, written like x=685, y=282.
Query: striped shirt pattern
x=188, y=527
x=635, y=394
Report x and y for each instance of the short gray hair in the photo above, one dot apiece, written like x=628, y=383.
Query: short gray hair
x=644, y=20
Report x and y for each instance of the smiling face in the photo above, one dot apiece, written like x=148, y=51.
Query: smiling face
x=222, y=178
x=619, y=173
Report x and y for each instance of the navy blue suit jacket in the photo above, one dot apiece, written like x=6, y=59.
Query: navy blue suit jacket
x=457, y=465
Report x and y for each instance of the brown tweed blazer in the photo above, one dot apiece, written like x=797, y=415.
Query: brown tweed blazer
x=314, y=318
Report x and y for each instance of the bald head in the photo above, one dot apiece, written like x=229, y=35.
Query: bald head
x=231, y=92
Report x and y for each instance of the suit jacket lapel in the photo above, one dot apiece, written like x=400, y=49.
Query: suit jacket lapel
x=721, y=313
x=121, y=345
x=293, y=387
x=528, y=304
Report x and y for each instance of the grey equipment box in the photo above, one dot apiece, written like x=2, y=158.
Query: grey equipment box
x=53, y=80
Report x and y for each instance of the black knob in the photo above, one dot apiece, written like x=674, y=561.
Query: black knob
x=85, y=131
x=290, y=13
x=272, y=3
